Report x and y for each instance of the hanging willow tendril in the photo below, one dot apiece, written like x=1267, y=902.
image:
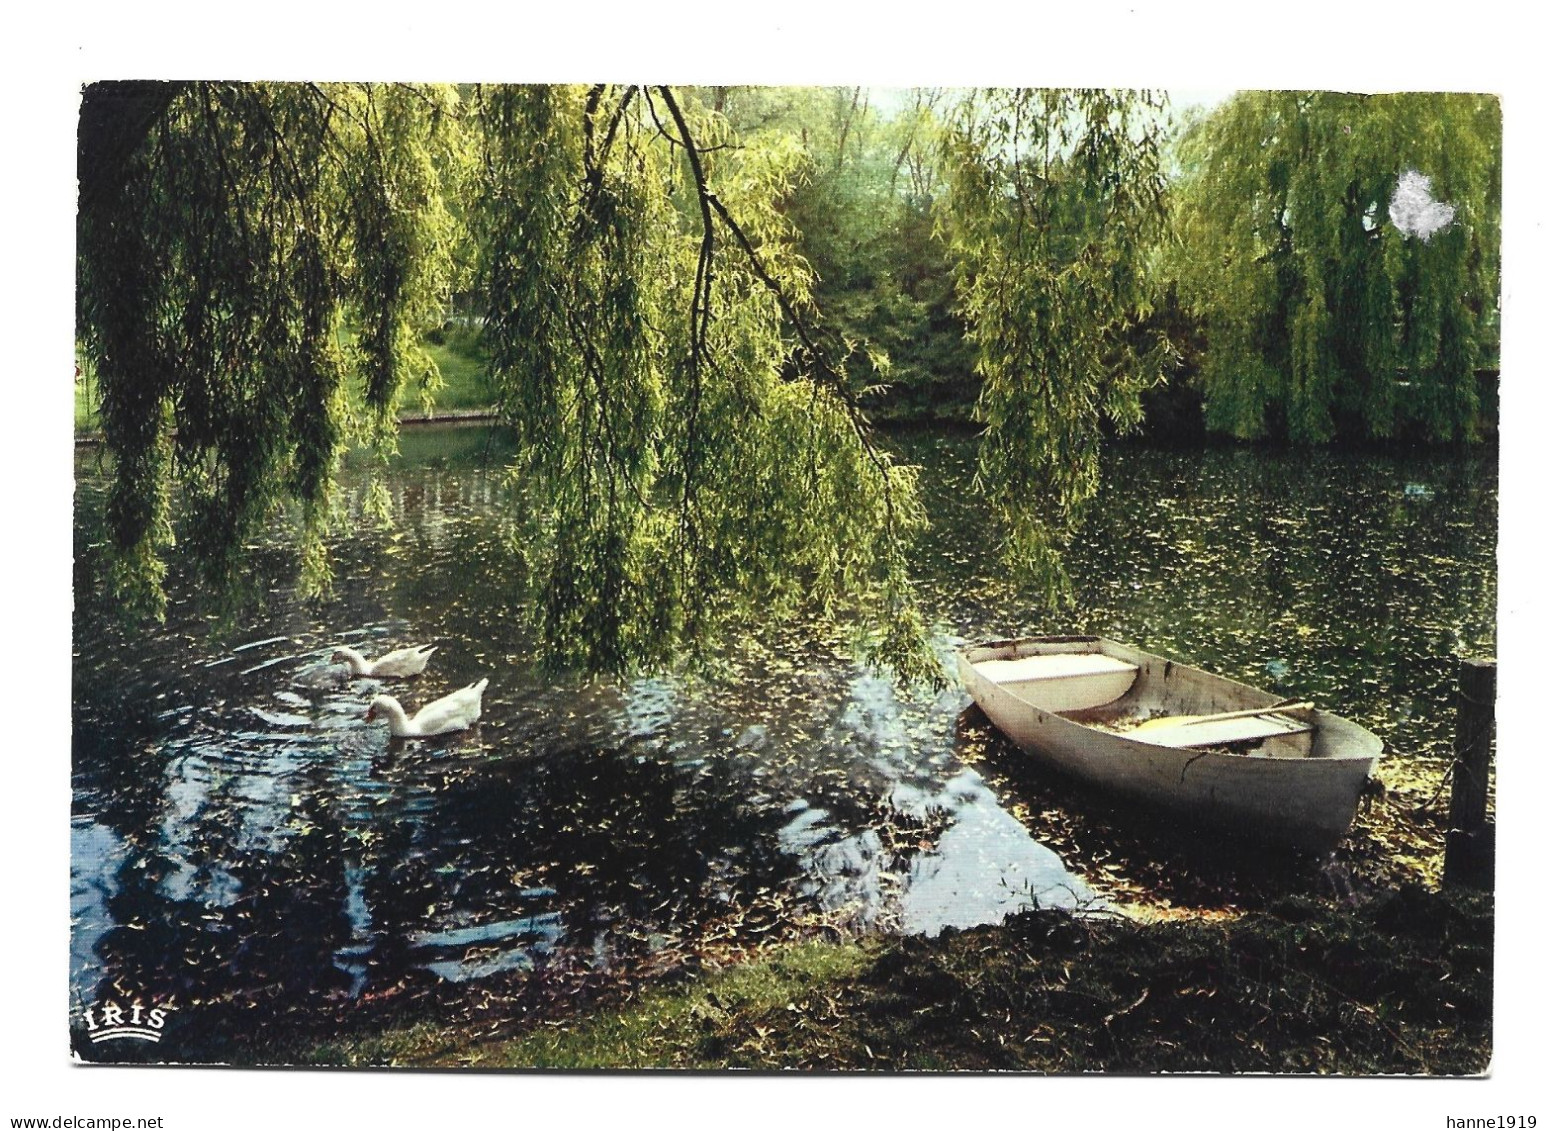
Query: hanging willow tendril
x=695, y=460
x=231, y=236
x=1055, y=199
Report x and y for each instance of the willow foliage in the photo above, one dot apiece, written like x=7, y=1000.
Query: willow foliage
x=1054, y=201
x=226, y=233
x=256, y=262
x=1322, y=318
x=692, y=459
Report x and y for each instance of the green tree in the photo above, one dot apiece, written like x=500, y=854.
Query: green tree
x=1054, y=204
x=1323, y=319
x=693, y=456
x=226, y=233
x=256, y=262
x=862, y=204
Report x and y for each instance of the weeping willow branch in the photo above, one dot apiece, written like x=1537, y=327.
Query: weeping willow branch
x=1053, y=200
x=700, y=311
x=640, y=337
x=215, y=262
x=710, y=205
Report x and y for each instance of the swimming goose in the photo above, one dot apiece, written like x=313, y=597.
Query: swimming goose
x=403, y=662
x=456, y=711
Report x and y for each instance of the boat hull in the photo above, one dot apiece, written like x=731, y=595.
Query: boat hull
x=1307, y=799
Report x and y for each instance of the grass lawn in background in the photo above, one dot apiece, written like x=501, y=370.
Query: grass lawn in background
x=466, y=388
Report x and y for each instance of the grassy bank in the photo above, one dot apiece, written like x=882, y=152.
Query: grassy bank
x=85, y=399
x=459, y=358
x=1402, y=984
x=455, y=355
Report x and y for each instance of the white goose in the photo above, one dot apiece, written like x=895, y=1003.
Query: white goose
x=456, y=711
x=403, y=662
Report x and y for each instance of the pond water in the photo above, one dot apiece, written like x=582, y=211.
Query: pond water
x=241, y=836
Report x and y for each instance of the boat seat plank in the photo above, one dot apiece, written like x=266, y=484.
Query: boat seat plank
x=1220, y=732
x=1057, y=665
x=1061, y=681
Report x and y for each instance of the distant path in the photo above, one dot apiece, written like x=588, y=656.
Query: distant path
x=448, y=416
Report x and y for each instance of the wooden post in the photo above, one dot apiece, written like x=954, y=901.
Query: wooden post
x=1468, y=844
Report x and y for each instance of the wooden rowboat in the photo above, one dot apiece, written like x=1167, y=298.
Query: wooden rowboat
x=1160, y=733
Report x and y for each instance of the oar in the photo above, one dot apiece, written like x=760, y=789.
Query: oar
x=1188, y=720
